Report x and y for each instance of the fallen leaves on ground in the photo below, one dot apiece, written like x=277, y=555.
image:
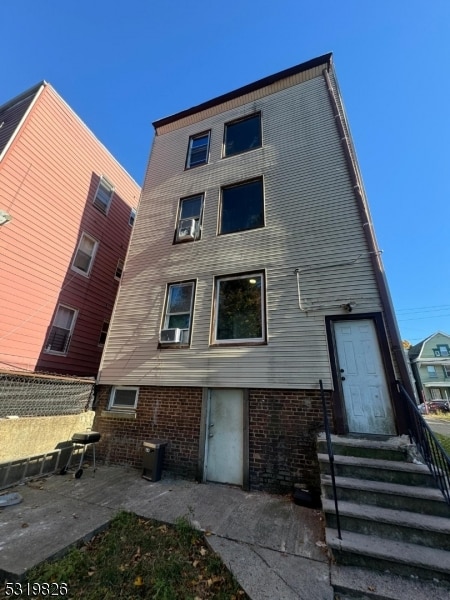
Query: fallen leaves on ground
x=139, y=557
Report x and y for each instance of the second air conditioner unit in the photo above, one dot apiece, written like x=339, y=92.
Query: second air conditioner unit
x=170, y=336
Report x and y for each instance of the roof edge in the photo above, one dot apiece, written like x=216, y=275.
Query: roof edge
x=251, y=87
x=421, y=344
x=32, y=90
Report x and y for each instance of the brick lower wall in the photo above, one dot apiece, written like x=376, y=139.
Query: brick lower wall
x=283, y=426
x=170, y=413
x=282, y=438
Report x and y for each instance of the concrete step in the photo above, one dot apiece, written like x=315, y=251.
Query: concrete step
x=423, y=500
x=356, y=583
x=395, y=448
x=423, y=530
x=391, y=471
x=381, y=554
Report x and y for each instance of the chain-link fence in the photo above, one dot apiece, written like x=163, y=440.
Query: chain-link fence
x=40, y=395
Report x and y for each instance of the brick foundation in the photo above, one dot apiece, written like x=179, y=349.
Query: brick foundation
x=283, y=425
x=282, y=438
x=171, y=413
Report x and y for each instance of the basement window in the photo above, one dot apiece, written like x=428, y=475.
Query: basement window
x=123, y=398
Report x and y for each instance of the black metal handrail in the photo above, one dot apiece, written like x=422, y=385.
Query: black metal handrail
x=331, y=457
x=427, y=444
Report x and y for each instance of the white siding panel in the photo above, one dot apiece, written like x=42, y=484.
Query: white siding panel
x=312, y=224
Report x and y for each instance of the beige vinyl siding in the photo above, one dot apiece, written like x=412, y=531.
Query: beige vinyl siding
x=311, y=221
x=248, y=98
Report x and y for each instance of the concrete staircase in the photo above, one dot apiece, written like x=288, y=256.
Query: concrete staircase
x=393, y=519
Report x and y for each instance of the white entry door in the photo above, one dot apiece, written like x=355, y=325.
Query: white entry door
x=366, y=396
x=224, y=451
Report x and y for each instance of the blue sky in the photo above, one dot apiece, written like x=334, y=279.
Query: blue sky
x=121, y=65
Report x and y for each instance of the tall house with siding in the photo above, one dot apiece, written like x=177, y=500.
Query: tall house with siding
x=67, y=208
x=253, y=274
x=430, y=362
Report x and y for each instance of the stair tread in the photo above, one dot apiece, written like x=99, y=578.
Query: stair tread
x=381, y=486
x=389, y=515
x=377, y=463
x=391, y=550
x=383, y=585
x=398, y=443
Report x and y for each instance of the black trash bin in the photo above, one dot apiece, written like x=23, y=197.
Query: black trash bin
x=153, y=459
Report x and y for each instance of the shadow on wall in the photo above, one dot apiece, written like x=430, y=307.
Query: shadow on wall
x=75, y=335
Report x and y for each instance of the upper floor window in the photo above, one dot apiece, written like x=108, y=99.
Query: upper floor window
x=446, y=370
x=431, y=371
x=189, y=218
x=178, y=313
x=119, y=269
x=103, y=333
x=242, y=207
x=103, y=195
x=242, y=135
x=61, y=331
x=84, y=256
x=132, y=218
x=239, y=309
x=198, y=150
x=443, y=350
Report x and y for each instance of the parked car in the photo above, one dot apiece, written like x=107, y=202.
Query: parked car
x=435, y=406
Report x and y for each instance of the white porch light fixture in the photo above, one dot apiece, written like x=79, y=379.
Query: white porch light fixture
x=4, y=217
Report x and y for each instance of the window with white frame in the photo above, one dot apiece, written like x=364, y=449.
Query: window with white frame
x=179, y=307
x=198, y=150
x=119, y=269
x=431, y=371
x=103, y=195
x=61, y=331
x=84, y=256
x=189, y=219
x=242, y=135
x=443, y=350
x=132, y=218
x=242, y=207
x=103, y=333
x=239, y=309
x=123, y=398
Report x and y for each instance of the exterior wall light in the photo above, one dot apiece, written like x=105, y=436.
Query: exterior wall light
x=4, y=217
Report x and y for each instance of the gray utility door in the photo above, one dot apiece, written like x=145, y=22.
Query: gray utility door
x=366, y=396
x=224, y=452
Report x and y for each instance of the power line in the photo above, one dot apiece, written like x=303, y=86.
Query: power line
x=421, y=318
x=424, y=308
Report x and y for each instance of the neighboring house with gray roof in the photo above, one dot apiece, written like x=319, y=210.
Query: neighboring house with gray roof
x=66, y=213
x=430, y=362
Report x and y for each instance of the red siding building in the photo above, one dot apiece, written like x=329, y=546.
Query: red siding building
x=67, y=208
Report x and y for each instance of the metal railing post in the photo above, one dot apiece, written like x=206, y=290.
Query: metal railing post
x=330, y=457
x=434, y=455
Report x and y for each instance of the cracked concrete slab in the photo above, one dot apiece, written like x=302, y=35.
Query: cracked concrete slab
x=266, y=574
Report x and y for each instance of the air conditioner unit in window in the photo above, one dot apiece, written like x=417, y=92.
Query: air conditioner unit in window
x=170, y=336
x=186, y=230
